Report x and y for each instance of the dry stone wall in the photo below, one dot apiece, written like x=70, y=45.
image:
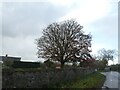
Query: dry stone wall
x=41, y=79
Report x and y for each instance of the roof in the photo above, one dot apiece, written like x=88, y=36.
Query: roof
x=9, y=58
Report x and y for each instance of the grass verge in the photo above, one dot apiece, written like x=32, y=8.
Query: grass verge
x=94, y=80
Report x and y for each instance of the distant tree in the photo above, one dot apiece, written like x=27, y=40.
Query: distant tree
x=63, y=42
x=115, y=67
x=96, y=63
x=88, y=63
x=103, y=64
x=106, y=55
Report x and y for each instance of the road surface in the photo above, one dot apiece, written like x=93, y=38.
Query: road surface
x=112, y=80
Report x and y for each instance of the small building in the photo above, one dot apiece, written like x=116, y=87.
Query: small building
x=9, y=58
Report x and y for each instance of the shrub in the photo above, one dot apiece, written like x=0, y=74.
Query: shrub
x=19, y=64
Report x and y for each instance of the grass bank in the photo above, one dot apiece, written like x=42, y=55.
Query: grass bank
x=94, y=80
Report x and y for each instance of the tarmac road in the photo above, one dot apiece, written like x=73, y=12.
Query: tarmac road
x=112, y=80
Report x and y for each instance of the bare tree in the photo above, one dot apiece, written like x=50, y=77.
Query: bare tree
x=106, y=54
x=63, y=42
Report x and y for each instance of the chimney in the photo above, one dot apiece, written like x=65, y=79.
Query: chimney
x=6, y=55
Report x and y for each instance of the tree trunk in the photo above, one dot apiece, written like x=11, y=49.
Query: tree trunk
x=62, y=64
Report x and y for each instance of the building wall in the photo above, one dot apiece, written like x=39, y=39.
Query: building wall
x=11, y=58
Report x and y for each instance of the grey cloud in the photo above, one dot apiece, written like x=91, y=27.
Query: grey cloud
x=106, y=30
x=108, y=23
x=23, y=47
x=22, y=19
x=22, y=24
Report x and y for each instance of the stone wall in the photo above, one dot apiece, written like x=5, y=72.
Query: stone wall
x=40, y=79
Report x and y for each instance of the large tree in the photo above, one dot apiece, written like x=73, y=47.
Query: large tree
x=63, y=42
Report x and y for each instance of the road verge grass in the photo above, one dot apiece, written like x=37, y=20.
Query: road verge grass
x=94, y=80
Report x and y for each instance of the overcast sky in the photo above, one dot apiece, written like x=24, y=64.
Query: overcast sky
x=22, y=23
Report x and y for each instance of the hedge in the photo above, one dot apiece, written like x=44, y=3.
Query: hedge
x=20, y=64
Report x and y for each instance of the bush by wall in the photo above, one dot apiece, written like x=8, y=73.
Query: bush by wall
x=20, y=64
x=115, y=67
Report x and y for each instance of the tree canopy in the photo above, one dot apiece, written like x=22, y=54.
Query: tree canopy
x=106, y=54
x=64, y=41
x=103, y=56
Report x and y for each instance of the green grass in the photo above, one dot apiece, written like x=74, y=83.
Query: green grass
x=94, y=80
